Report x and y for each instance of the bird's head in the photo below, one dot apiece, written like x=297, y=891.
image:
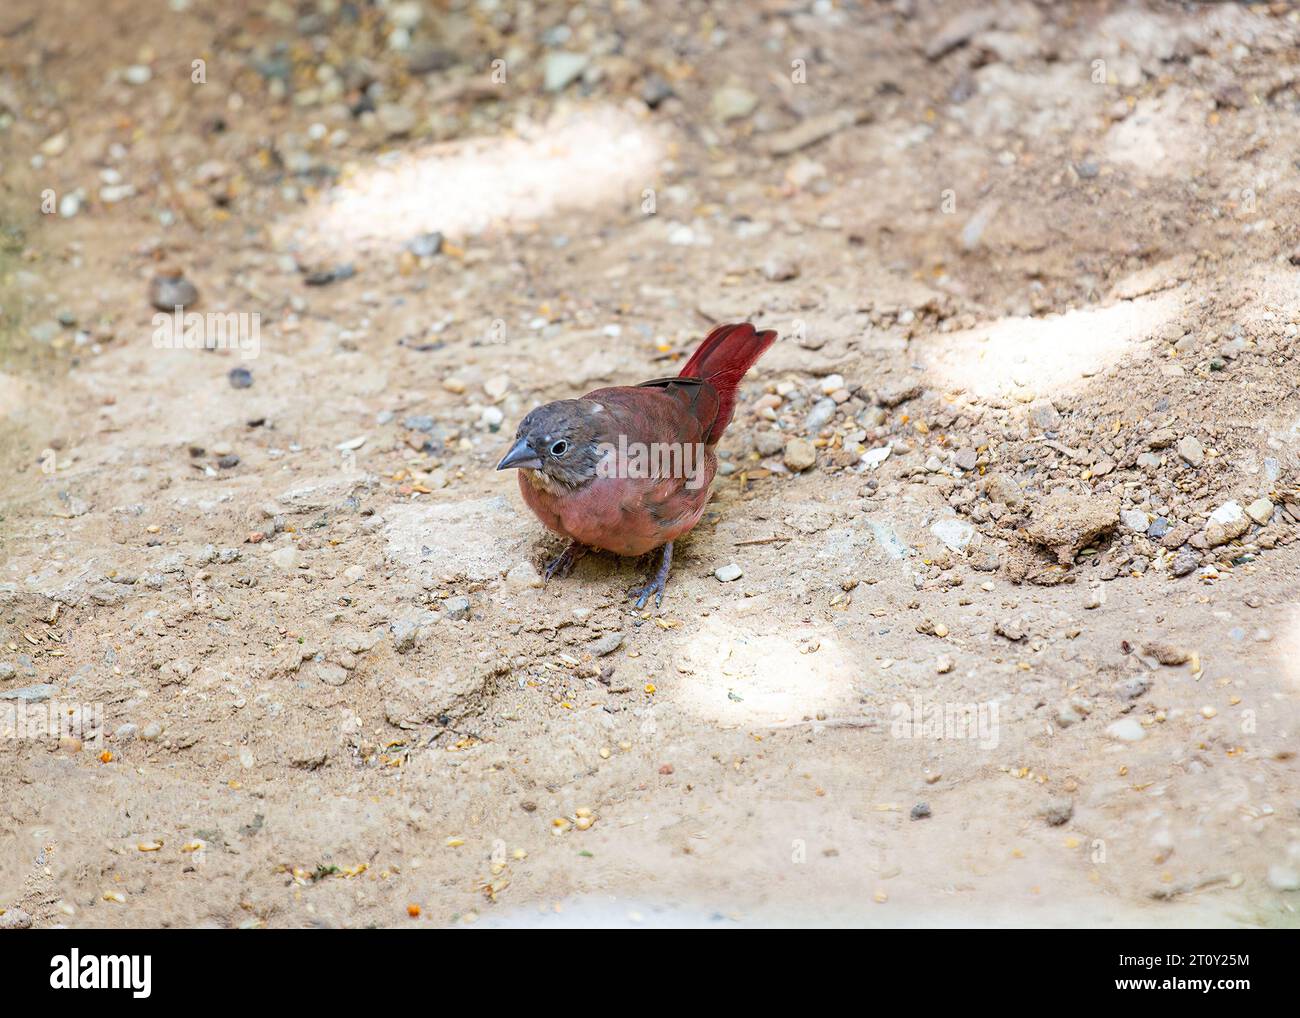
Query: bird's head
x=559, y=444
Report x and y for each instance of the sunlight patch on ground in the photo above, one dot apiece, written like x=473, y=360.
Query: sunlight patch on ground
x=732, y=675
x=1023, y=358
x=591, y=158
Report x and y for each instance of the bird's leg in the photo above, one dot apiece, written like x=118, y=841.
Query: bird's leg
x=657, y=582
x=563, y=562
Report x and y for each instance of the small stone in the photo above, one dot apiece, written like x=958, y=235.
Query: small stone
x=562, y=69
x=733, y=103
x=426, y=245
x=606, y=645
x=286, y=558
x=1166, y=653
x=167, y=291
x=454, y=385
x=396, y=119
x=524, y=576
x=240, y=378
x=1191, y=450
x=457, y=608
x=1043, y=415
x=1058, y=811
x=1261, y=511
x=966, y=458
x=800, y=454
x=15, y=919
x=1126, y=730
x=1283, y=878
x=1135, y=520
x=944, y=665
x=779, y=268
x=921, y=811
x=151, y=732
x=1003, y=489
x=728, y=573
x=1132, y=688
x=1226, y=523
x=955, y=534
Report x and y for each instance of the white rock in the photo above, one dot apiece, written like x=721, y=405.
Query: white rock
x=872, y=458
x=1283, y=878
x=286, y=558
x=523, y=576
x=1260, y=510
x=729, y=572
x=1135, y=520
x=955, y=534
x=1126, y=730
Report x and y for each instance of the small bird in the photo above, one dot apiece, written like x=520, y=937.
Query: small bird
x=627, y=469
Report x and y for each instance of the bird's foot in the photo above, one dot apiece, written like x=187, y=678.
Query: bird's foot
x=657, y=582
x=562, y=564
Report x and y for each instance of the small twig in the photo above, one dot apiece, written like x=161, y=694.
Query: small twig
x=774, y=539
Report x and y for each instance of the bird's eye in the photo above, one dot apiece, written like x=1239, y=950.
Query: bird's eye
x=559, y=448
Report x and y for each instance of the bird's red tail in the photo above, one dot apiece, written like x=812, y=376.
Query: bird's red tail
x=723, y=359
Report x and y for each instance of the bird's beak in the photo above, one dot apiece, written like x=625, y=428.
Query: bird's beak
x=520, y=455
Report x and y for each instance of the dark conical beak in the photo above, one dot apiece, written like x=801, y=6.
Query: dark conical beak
x=520, y=455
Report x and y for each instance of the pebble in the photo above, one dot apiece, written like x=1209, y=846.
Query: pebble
x=457, y=608
x=1184, y=562
x=820, y=415
x=1135, y=520
x=733, y=103
x=15, y=919
x=524, y=575
x=606, y=644
x=779, y=268
x=1191, y=450
x=1058, y=811
x=1227, y=523
x=944, y=665
x=728, y=573
x=1044, y=415
x=800, y=454
x=955, y=534
x=169, y=290
x=426, y=245
x=562, y=69
x=1158, y=528
x=240, y=378
x=921, y=811
x=396, y=119
x=1132, y=688
x=1261, y=511
x=286, y=558
x=151, y=732
x=1126, y=730
x=1283, y=878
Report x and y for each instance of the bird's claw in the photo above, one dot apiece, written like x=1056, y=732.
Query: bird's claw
x=562, y=564
x=655, y=587
x=657, y=582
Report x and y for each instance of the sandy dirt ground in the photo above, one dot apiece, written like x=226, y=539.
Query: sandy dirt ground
x=1016, y=639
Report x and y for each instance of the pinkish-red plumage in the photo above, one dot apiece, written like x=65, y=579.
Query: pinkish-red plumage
x=558, y=448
